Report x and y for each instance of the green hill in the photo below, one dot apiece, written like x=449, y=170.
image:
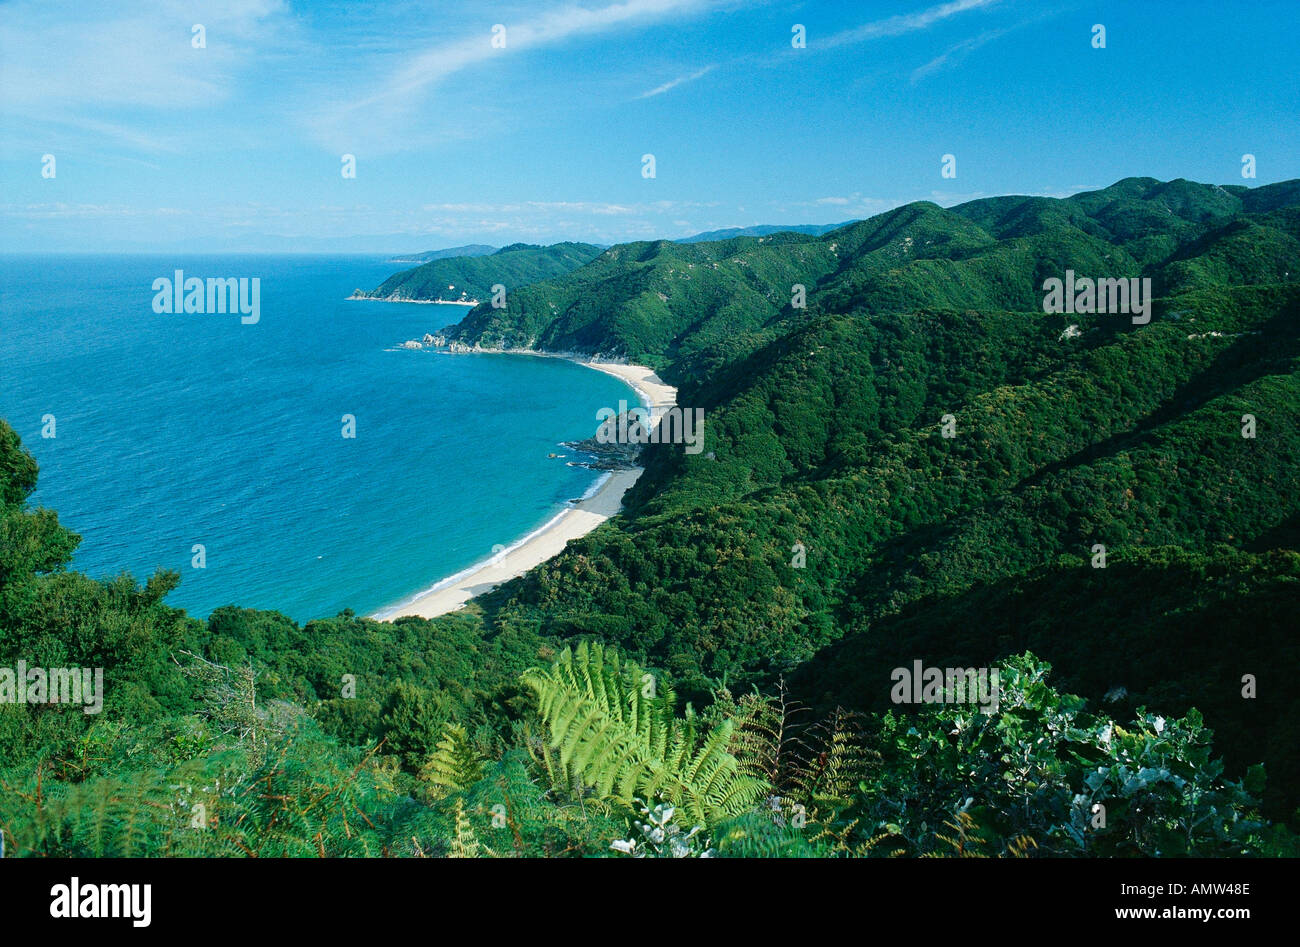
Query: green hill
x=471, y=278
x=662, y=301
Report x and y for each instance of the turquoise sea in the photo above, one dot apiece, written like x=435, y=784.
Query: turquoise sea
x=173, y=430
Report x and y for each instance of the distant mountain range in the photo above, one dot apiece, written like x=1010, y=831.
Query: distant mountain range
x=759, y=230
x=428, y=256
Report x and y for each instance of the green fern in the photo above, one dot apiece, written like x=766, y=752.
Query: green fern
x=763, y=738
x=967, y=841
x=616, y=735
x=464, y=843
x=835, y=762
x=455, y=765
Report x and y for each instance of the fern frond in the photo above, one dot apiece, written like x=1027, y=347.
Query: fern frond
x=463, y=842
x=613, y=737
x=455, y=765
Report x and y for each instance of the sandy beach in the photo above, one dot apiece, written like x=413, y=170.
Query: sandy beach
x=577, y=520
x=654, y=394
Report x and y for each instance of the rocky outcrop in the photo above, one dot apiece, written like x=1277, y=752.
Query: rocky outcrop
x=605, y=456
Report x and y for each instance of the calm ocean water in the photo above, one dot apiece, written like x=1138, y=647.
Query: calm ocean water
x=176, y=430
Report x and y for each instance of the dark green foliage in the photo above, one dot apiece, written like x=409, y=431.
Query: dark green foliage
x=1039, y=767
x=1213, y=617
x=300, y=795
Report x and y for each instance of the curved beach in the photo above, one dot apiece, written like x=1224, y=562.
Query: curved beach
x=580, y=518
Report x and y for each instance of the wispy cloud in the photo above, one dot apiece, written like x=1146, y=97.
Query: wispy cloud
x=951, y=198
x=129, y=76
x=954, y=54
x=59, y=54
x=55, y=210
x=596, y=208
x=660, y=90
x=842, y=206
x=906, y=22
x=401, y=93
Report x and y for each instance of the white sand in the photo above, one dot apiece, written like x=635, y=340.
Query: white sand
x=655, y=395
x=578, y=520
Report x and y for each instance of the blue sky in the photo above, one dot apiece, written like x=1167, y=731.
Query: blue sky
x=237, y=146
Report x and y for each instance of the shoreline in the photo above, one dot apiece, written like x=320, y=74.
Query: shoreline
x=418, y=302
x=577, y=519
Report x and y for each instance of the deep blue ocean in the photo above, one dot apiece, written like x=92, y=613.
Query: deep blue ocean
x=179, y=429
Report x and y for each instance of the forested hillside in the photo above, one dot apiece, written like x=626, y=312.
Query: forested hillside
x=471, y=277
x=908, y=460
x=823, y=428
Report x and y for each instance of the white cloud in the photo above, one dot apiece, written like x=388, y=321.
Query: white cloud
x=127, y=78
x=957, y=52
x=124, y=79
x=62, y=210
x=660, y=90
x=61, y=55
x=844, y=206
x=906, y=22
x=392, y=102
x=949, y=198
x=954, y=54
x=588, y=208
